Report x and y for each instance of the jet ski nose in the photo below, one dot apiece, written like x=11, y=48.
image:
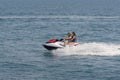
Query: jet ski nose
x=49, y=47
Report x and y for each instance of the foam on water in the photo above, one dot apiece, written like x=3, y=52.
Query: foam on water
x=100, y=49
x=62, y=16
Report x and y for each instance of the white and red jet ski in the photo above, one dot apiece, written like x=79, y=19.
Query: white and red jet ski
x=54, y=44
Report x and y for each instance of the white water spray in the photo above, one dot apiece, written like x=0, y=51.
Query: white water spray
x=101, y=49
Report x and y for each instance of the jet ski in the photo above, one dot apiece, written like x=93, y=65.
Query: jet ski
x=54, y=44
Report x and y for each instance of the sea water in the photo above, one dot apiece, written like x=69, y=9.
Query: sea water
x=26, y=25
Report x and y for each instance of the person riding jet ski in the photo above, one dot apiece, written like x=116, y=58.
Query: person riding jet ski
x=71, y=39
x=67, y=39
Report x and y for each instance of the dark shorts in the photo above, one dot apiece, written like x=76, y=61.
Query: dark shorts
x=74, y=40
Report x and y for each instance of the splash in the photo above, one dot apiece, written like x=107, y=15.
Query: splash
x=100, y=49
x=62, y=16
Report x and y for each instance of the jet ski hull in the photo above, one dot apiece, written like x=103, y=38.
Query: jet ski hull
x=53, y=46
x=50, y=47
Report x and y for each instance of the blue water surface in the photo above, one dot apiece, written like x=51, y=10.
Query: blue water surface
x=24, y=28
